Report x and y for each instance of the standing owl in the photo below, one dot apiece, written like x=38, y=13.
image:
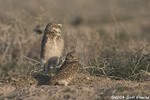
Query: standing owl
x=67, y=71
x=52, y=46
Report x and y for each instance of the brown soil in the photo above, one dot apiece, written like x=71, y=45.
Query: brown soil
x=84, y=87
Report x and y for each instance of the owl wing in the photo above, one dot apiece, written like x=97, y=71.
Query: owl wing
x=67, y=72
x=43, y=43
x=68, y=69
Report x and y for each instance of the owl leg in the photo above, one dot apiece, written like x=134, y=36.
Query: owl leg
x=44, y=65
x=46, y=69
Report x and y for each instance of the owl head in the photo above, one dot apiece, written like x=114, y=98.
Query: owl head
x=53, y=29
x=72, y=56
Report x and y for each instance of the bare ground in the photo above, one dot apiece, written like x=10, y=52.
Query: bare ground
x=84, y=87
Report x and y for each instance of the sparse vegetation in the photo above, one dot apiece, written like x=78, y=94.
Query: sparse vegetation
x=127, y=65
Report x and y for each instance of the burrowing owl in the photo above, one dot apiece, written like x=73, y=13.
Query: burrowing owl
x=52, y=46
x=67, y=71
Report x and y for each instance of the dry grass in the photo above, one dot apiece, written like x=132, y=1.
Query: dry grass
x=111, y=36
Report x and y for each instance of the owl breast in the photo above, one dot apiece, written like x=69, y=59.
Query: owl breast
x=54, y=48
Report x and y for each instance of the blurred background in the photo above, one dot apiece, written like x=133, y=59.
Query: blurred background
x=110, y=35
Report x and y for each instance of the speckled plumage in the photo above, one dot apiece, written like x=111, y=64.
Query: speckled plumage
x=52, y=46
x=67, y=71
